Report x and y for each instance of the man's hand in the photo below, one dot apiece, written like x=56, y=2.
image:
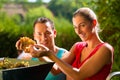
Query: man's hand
x=23, y=44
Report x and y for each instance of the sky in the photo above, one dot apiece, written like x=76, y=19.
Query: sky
x=35, y=0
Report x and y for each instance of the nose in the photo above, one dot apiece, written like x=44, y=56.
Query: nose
x=78, y=30
x=43, y=38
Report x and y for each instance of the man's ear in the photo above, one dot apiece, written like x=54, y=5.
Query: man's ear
x=55, y=33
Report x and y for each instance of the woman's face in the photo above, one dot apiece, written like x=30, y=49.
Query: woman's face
x=83, y=28
x=44, y=34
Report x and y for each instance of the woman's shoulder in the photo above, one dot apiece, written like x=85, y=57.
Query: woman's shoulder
x=108, y=46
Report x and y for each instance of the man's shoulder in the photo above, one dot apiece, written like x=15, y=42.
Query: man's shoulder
x=63, y=49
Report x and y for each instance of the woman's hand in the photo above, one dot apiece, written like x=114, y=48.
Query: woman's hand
x=39, y=51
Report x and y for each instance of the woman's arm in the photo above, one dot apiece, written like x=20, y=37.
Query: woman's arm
x=93, y=65
x=102, y=57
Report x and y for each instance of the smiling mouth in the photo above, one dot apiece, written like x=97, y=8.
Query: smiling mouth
x=81, y=35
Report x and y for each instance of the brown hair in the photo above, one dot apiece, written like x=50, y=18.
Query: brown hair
x=44, y=20
x=88, y=14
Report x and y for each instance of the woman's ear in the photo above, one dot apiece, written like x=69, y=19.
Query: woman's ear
x=94, y=22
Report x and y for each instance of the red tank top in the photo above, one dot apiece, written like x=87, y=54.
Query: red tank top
x=102, y=74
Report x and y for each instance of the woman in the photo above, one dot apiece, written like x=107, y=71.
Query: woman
x=90, y=59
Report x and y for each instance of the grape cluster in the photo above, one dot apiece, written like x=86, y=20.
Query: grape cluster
x=7, y=64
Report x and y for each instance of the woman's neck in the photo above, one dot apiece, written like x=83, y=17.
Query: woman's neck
x=94, y=42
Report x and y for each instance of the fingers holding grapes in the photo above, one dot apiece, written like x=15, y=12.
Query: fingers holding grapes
x=29, y=46
x=39, y=50
x=19, y=45
x=23, y=44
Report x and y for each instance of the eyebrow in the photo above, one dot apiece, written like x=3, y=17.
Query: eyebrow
x=79, y=24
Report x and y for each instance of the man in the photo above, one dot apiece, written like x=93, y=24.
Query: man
x=45, y=33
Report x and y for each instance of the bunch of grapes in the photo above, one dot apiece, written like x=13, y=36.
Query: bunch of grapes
x=6, y=64
x=24, y=43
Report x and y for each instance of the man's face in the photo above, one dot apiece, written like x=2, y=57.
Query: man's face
x=43, y=34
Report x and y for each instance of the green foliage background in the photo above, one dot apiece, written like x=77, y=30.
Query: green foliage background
x=60, y=11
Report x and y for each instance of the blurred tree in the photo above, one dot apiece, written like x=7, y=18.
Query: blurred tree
x=9, y=32
x=39, y=11
x=32, y=14
x=66, y=8
x=108, y=15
